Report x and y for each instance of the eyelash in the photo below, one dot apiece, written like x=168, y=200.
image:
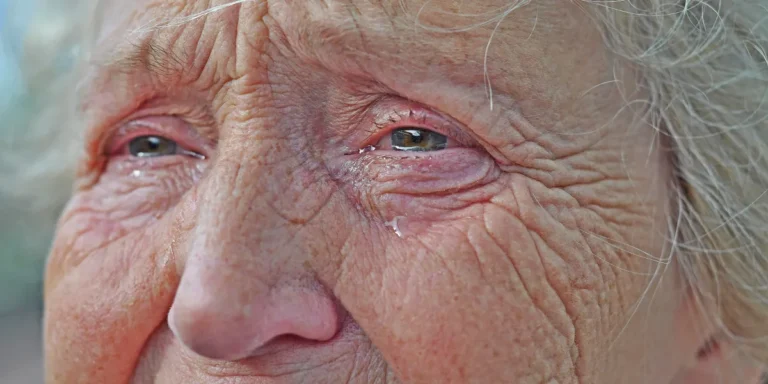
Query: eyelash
x=118, y=143
x=419, y=119
x=384, y=124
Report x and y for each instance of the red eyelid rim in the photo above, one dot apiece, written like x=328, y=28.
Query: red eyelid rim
x=169, y=127
x=422, y=118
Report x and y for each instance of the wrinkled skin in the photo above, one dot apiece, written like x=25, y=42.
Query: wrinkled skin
x=523, y=253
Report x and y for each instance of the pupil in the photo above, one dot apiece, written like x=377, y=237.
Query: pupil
x=153, y=143
x=414, y=136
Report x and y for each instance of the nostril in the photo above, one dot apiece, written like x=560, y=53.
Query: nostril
x=207, y=336
x=308, y=315
x=225, y=329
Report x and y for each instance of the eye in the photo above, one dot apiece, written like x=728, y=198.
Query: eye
x=416, y=140
x=152, y=146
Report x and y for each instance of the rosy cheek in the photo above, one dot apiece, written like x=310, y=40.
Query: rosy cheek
x=107, y=288
x=110, y=259
x=128, y=197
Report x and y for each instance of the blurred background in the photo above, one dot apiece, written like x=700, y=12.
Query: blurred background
x=37, y=50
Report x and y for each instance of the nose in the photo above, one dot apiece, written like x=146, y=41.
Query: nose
x=245, y=279
x=229, y=323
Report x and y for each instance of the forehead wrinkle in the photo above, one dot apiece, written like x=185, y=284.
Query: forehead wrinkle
x=140, y=30
x=151, y=56
x=353, y=36
x=162, y=56
x=436, y=32
x=342, y=25
x=345, y=26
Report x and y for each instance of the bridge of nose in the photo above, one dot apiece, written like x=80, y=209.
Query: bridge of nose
x=245, y=276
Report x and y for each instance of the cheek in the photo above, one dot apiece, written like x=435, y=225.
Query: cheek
x=110, y=277
x=105, y=306
x=503, y=285
x=127, y=200
x=447, y=303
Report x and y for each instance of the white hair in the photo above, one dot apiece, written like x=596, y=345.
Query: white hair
x=703, y=63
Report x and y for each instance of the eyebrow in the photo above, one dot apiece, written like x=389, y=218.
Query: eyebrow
x=148, y=56
x=151, y=55
x=144, y=62
x=153, y=59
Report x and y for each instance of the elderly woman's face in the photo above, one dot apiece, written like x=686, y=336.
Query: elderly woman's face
x=354, y=191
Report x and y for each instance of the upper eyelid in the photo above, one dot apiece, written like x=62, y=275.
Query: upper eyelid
x=384, y=113
x=170, y=127
x=190, y=112
x=421, y=118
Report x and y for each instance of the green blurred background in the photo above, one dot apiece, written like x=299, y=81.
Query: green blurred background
x=26, y=219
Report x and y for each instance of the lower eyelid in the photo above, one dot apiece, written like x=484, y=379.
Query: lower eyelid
x=195, y=155
x=417, y=158
x=126, y=164
x=425, y=174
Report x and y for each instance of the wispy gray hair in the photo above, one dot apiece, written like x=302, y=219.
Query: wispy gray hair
x=704, y=65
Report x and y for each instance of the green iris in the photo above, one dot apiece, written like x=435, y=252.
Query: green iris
x=152, y=146
x=418, y=140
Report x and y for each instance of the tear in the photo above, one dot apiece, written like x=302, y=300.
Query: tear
x=395, y=225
